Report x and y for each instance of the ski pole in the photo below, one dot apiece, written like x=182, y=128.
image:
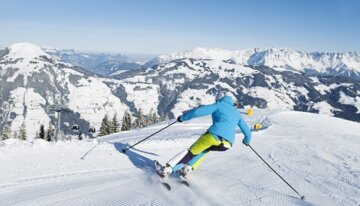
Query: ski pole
x=126, y=149
x=92, y=148
x=301, y=196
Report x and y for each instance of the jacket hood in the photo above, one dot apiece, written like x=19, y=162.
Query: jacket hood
x=227, y=99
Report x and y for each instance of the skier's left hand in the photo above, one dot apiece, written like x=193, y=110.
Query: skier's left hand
x=179, y=119
x=245, y=142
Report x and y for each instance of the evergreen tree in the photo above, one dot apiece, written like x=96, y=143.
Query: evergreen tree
x=22, y=132
x=114, y=126
x=105, y=126
x=147, y=120
x=153, y=117
x=126, y=121
x=42, y=132
x=6, y=133
x=163, y=118
x=50, y=133
x=15, y=135
x=140, y=119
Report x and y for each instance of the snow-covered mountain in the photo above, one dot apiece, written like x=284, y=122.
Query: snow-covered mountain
x=183, y=83
x=99, y=63
x=32, y=80
x=334, y=64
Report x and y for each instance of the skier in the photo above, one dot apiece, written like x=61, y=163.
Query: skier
x=219, y=137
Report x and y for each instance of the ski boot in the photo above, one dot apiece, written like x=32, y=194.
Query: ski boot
x=184, y=171
x=162, y=171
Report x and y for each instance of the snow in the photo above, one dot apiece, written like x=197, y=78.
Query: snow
x=183, y=70
x=323, y=89
x=191, y=98
x=135, y=94
x=277, y=58
x=317, y=155
x=26, y=51
x=88, y=97
x=208, y=53
x=82, y=95
x=239, y=70
x=275, y=100
x=334, y=86
x=92, y=99
x=118, y=72
x=26, y=57
x=345, y=99
x=324, y=108
x=35, y=113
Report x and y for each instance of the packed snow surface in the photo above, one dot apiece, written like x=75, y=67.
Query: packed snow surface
x=318, y=155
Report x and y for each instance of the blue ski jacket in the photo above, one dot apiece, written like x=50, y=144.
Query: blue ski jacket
x=225, y=118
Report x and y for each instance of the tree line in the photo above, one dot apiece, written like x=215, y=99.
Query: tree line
x=48, y=135
x=19, y=134
x=108, y=126
x=112, y=126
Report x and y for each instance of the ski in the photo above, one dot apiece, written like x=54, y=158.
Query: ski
x=180, y=179
x=184, y=181
x=158, y=168
x=166, y=185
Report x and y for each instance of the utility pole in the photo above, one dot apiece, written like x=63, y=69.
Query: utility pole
x=59, y=108
x=2, y=110
x=58, y=136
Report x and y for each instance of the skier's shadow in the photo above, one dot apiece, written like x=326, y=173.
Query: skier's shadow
x=138, y=160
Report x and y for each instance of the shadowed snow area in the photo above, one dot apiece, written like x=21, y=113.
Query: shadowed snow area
x=318, y=155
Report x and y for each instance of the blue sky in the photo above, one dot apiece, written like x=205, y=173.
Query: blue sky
x=159, y=26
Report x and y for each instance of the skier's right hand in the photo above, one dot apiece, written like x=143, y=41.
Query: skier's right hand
x=179, y=119
x=247, y=143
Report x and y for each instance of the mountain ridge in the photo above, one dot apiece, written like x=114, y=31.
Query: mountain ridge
x=326, y=63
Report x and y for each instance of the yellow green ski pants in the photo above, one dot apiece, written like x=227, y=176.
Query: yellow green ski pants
x=207, y=142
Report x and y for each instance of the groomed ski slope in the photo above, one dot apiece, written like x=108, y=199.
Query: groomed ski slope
x=318, y=155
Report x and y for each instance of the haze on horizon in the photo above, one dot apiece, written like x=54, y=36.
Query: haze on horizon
x=151, y=28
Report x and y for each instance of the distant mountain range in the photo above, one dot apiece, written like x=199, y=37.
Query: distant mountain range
x=33, y=81
x=334, y=64
x=98, y=63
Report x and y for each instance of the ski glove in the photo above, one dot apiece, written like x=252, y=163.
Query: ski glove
x=247, y=143
x=179, y=119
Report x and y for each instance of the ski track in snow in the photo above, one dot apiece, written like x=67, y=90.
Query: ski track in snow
x=317, y=155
